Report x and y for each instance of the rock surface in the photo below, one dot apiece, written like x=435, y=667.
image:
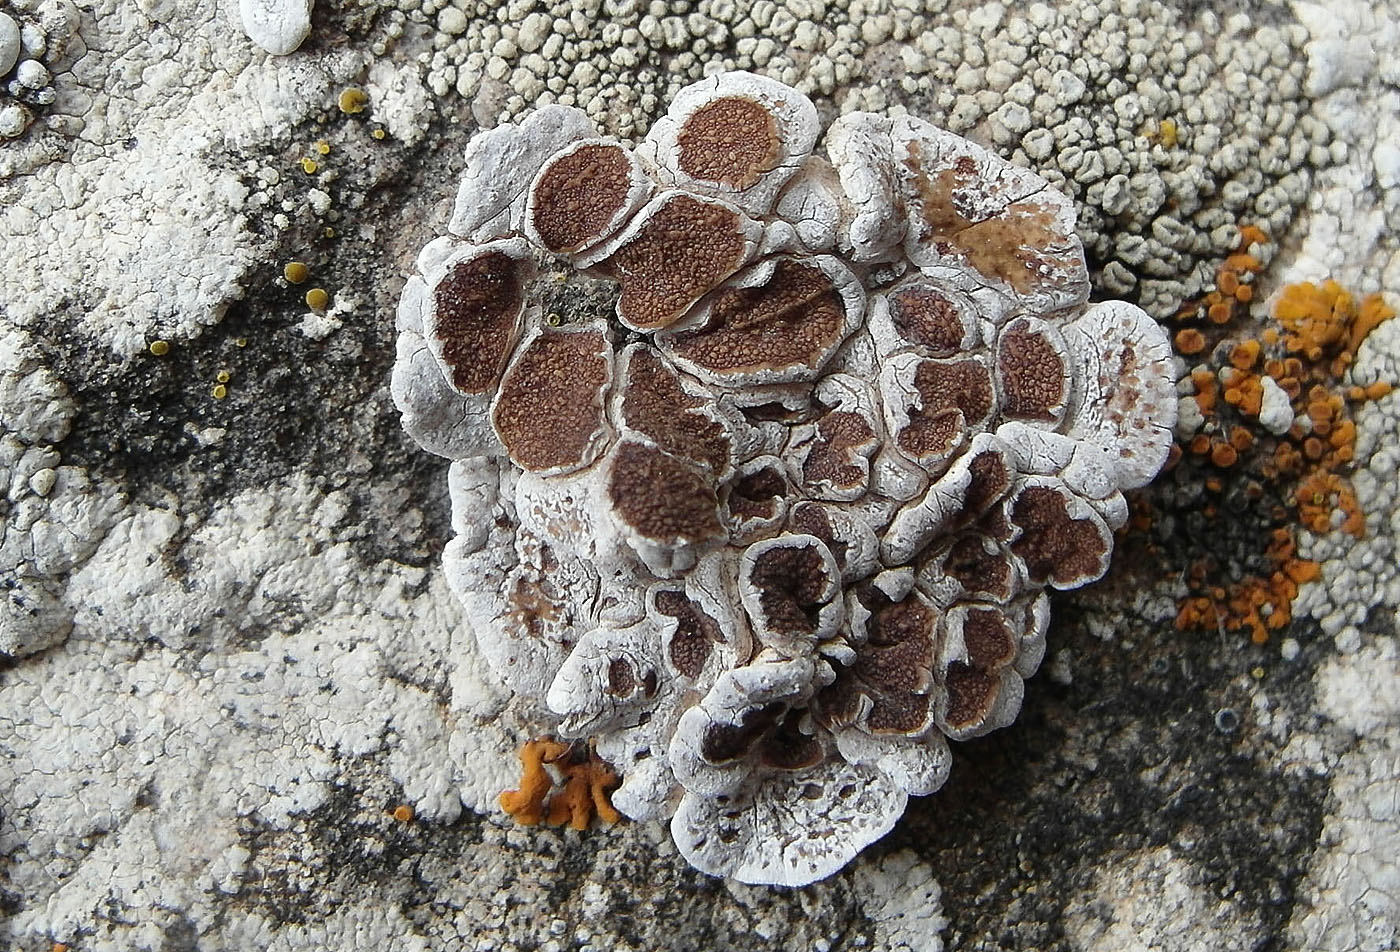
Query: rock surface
x=230, y=654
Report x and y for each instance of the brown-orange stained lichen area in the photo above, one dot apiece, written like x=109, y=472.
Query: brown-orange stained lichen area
x=550, y=407
x=1308, y=341
x=1008, y=246
x=686, y=248
x=476, y=305
x=793, y=319
x=732, y=141
x=578, y=195
x=583, y=780
x=724, y=459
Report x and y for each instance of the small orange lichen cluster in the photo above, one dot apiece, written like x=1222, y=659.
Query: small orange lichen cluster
x=1318, y=332
x=1259, y=604
x=586, y=783
x=1326, y=321
x=1234, y=289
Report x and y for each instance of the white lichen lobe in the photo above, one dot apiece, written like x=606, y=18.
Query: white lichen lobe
x=781, y=528
x=278, y=26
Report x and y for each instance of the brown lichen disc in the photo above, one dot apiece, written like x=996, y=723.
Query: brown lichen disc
x=926, y=317
x=660, y=497
x=1055, y=546
x=893, y=670
x=475, y=307
x=954, y=395
x=722, y=743
x=578, y=195
x=791, y=322
x=792, y=584
x=685, y=248
x=696, y=632
x=979, y=567
x=1033, y=375
x=787, y=747
x=972, y=694
x=987, y=634
x=756, y=495
x=732, y=141
x=831, y=468
x=549, y=411
x=654, y=405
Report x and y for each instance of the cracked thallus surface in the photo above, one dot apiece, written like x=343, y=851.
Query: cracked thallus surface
x=782, y=527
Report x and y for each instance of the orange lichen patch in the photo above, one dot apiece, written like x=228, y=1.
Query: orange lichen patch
x=1190, y=341
x=1375, y=391
x=526, y=804
x=1298, y=477
x=1326, y=321
x=1223, y=455
x=1257, y=604
x=1206, y=390
x=1243, y=390
x=586, y=780
x=1320, y=495
x=1245, y=355
x=1372, y=312
x=403, y=813
x=585, y=793
x=1241, y=439
x=1233, y=289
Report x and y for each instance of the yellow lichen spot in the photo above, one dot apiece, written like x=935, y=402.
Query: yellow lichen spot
x=328, y=231
x=222, y=376
x=317, y=299
x=322, y=147
x=554, y=320
x=296, y=272
x=159, y=348
x=1372, y=312
x=403, y=813
x=309, y=166
x=1167, y=133
x=352, y=101
x=378, y=133
x=1257, y=674
x=240, y=342
x=219, y=391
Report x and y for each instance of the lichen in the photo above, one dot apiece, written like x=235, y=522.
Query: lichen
x=779, y=529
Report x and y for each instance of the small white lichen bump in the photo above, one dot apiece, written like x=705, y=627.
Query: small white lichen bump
x=278, y=26
x=766, y=452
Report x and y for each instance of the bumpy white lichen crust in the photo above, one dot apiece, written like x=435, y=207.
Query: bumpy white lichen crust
x=783, y=528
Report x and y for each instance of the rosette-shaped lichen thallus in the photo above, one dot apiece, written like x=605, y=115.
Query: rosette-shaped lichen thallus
x=766, y=452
